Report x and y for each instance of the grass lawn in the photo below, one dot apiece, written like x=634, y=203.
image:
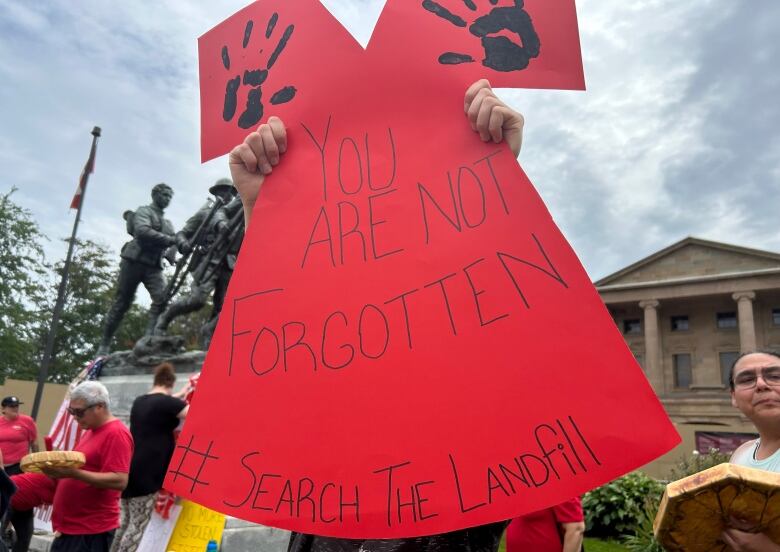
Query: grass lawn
x=598, y=545
x=591, y=545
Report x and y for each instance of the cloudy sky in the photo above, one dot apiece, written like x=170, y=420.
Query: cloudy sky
x=678, y=133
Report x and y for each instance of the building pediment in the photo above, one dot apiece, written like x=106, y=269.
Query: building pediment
x=693, y=257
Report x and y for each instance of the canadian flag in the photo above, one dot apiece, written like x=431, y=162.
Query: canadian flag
x=89, y=168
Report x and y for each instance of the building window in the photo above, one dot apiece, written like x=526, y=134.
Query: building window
x=776, y=317
x=727, y=320
x=680, y=323
x=726, y=360
x=632, y=326
x=682, y=370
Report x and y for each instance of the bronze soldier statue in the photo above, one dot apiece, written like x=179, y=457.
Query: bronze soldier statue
x=141, y=262
x=213, y=236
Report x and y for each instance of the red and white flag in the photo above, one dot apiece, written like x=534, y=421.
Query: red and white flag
x=89, y=168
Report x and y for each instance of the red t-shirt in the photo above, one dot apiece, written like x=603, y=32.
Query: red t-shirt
x=540, y=531
x=80, y=508
x=32, y=490
x=15, y=438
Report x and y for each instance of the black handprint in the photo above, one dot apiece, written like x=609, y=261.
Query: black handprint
x=255, y=78
x=501, y=53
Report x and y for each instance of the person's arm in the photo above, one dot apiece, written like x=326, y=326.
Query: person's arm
x=739, y=539
x=33, y=436
x=573, y=534
x=101, y=480
x=183, y=412
x=492, y=118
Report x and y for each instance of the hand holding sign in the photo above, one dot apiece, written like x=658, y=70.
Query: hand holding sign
x=255, y=158
x=408, y=346
x=491, y=117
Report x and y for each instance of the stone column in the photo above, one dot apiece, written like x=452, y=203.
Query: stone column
x=653, y=346
x=747, y=328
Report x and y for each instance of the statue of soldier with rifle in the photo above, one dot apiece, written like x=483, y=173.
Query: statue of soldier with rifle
x=153, y=236
x=209, y=243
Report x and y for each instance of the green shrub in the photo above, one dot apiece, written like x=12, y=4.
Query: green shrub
x=643, y=539
x=616, y=509
x=689, y=465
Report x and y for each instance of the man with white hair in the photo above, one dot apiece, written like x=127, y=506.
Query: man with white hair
x=86, y=502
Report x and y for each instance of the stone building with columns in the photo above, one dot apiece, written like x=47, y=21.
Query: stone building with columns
x=686, y=312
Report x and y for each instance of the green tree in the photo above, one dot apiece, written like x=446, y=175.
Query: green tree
x=89, y=294
x=22, y=287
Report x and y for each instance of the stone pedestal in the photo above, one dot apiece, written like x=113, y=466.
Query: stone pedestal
x=127, y=374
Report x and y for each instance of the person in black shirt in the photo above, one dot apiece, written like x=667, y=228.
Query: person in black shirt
x=254, y=159
x=153, y=419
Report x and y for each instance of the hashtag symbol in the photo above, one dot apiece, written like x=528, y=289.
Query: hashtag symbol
x=189, y=451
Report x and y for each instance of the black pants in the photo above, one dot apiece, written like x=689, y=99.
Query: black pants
x=100, y=542
x=22, y=522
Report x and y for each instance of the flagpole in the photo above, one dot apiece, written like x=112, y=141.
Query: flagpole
x=55, y=317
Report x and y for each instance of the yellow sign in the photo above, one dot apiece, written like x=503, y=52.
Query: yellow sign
x=195, y=528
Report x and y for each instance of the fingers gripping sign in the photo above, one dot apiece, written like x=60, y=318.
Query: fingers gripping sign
x=255, y=158
x=492, y=118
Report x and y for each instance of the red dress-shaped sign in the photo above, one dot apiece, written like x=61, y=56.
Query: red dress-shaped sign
x=409, y=346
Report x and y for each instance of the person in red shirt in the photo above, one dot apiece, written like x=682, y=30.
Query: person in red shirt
x=556, y=529
x=18, y=435
x=86, y=502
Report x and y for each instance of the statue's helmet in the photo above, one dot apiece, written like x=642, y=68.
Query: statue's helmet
x=161, y=187
x=222, y=184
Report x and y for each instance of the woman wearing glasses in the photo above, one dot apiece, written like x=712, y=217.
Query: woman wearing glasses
x=755, y=391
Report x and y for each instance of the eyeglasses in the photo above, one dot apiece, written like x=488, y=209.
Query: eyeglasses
x=748, y=379
x=79, y=412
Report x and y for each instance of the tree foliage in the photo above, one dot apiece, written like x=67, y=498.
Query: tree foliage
x=89, y=294
x=22, y=286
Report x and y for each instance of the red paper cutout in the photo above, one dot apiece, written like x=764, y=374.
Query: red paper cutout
x=406, y=328
x=322, y=56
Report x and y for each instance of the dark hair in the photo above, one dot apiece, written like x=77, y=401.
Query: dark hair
x=164, y=375
x=770, y=352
